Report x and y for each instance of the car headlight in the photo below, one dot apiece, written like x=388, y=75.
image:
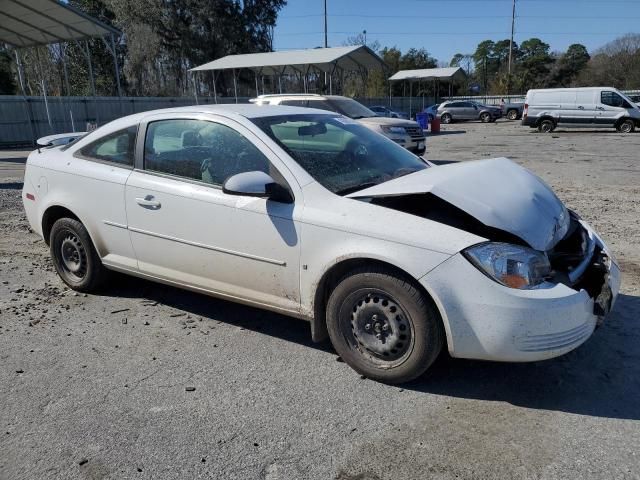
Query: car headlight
x=511, y=265
x=397, y=130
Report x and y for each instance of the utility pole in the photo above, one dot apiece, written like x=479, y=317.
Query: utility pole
x=513, y=23
x=326, y=44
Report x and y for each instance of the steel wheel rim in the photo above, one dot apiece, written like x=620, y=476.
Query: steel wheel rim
x=377, y=327
x=546, y=127
x=513, y=115
x=625, y=127
x=73, y=256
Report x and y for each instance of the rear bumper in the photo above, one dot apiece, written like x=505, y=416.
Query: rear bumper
x=487, y=321
x=529, y=121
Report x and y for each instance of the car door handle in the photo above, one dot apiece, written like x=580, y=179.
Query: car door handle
x=148, y=202
x=600, y=108
x=580, y=107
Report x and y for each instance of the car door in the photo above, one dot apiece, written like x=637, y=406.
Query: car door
x=185, y=229
x=101, y=168
x=610, y=108
x=584, y=109
x=468, y=111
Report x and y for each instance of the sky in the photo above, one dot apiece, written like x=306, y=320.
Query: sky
x=446, y=27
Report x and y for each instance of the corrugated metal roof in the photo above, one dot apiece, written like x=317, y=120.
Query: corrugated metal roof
x=428, y=74
x=26, y=23
x=296, y=61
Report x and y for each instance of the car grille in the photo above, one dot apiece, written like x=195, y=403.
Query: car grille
x=554, y=341
x=415, y=133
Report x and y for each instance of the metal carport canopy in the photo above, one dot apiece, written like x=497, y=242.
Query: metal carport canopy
x=27, y=23
x=447, y=73
x=351, y=58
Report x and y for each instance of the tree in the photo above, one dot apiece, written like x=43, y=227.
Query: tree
x=416, y=59
x=616, y=64
x=534, y=63
x=568, y=66
x=7, y=82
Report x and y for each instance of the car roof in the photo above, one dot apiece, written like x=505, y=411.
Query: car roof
x=299, y=96
x=232, y=110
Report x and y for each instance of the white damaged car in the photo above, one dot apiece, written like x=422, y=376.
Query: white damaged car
x=307, y=213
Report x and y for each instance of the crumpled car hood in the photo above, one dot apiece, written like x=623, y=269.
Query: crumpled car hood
x=497, y=192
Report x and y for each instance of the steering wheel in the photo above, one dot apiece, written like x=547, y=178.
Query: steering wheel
x=355, y=149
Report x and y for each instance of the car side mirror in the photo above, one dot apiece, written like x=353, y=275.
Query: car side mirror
x=256, y=184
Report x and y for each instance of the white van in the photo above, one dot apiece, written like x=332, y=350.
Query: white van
x=580, y=107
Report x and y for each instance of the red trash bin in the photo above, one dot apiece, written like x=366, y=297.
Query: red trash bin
x=435, y=125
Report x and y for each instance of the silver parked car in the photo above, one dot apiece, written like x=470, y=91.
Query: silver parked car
x=387, y=112
x=462, y=110
x=406, y=133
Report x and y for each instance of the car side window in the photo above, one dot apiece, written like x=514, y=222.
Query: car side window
x=294, y=103
x=612, y=99
x=324, y=105
x=117, y=147
x=200, y=150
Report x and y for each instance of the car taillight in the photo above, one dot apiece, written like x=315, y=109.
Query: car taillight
x=526, y=110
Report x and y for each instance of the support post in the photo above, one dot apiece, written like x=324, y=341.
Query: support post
x=24, y=95
x=43, y=86
x=257, y=90
x=235, y=85
x=195, y=87
x=410, y=97
x=87, y=54
x=215, y=93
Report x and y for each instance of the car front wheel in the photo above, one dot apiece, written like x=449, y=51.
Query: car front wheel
x=75, y=257
x=446, y=118
x=485, y=118
x=383, y=326
x=627, y=126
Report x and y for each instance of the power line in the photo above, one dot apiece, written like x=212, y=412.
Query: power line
x=456, y=17
x=453, y=34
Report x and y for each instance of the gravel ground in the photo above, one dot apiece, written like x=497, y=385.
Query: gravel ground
x=147, y=381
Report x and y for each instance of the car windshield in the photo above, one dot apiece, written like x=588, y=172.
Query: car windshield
x=339, y=153
x=351, y=108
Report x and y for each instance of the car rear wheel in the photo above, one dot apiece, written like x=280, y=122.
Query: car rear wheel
x=383, y=326
x=546, y=126
x=75, y=257
x=626, y=126
x=485, y=117
x=446, y=118
x=512, y=114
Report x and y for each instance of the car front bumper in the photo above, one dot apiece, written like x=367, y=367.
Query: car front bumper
x=413, y=144
x=488, y=321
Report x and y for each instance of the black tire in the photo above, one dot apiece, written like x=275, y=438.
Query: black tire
x=626, y=126
x=446, y=118
x=485, y=117
x=75, y=257
x=546, y=126
x=512, y=114
x=383, y=326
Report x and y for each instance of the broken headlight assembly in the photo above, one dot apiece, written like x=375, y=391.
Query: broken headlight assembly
x=511, y=265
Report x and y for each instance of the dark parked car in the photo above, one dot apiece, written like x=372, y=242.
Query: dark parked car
x=513, y=111
x=462, y=110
